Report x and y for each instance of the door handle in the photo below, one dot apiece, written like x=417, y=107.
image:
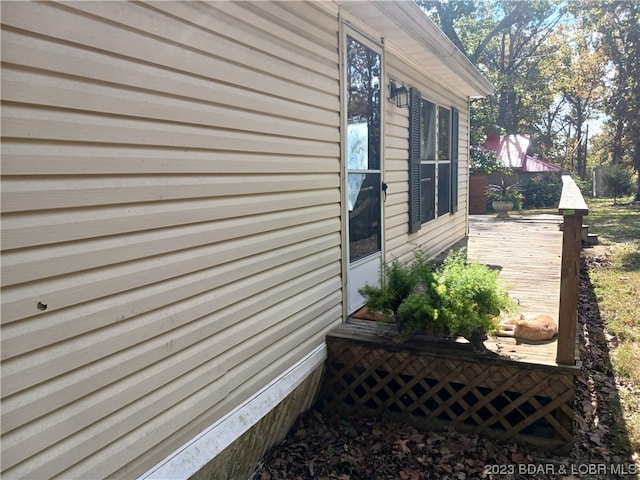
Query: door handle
x=384, y=189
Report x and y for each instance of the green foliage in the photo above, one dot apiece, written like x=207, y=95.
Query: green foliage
x=485, y=162
x=472, y=298
x=617, y=34
x=542, y=191
x=400, y=281
x=505, y=193
x=506, y=41
x=419, y=313
x=585, y=186
x=556, y=66
x=617, y=182
x=578, y=86
x=423, y=268
x=459, y=298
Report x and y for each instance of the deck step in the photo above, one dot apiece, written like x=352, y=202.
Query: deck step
x=592, y=239
x=585, y=230
x=589, y=238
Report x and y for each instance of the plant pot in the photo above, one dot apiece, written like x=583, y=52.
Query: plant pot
x=476, y=339
x=502, y=207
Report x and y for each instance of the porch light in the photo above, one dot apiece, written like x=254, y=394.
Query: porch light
x=398, y=95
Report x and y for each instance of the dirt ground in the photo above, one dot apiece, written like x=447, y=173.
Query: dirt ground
x=323, y=447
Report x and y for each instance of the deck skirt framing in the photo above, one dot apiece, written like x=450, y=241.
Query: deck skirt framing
x=438, y=385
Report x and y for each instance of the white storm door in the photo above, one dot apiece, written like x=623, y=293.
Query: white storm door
x=363, y=174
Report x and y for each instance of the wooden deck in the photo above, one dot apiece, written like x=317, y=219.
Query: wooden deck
x=519, y=393
x=527, y=251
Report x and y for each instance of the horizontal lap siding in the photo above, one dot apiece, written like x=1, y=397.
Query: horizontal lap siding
x=170, y=192
x=444, y=231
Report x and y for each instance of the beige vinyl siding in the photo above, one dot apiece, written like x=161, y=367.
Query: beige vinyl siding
x=171, y=193
x=439, y=234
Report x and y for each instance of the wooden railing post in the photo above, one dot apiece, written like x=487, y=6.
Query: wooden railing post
x=572, y=207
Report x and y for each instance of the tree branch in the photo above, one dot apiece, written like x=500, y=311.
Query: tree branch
x=507, y=22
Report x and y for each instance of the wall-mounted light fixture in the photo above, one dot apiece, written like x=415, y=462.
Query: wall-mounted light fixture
x=398, y=95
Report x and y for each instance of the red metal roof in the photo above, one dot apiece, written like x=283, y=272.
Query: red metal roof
x=512, y=151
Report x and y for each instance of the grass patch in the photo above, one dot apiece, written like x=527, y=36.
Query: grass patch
x=614, y=223
x=625, y=362
x=630, y=402
x=617, y=289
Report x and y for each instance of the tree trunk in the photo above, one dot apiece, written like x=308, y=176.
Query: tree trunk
x=636, y=163
x=580, y=160
x=617, y=150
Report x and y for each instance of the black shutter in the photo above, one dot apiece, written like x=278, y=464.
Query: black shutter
x=454, y=160
x=414, y=161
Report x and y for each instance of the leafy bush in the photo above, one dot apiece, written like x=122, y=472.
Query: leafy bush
x=419, y=313
x=472, y=298
x=458, y=298
x=617, y=182
x=585, y=186
x=485, y=162
x=400, y=281
x=542, y=191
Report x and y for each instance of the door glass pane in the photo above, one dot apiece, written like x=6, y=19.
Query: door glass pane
x=358, y=146
x=363, y=107
x=364, y=214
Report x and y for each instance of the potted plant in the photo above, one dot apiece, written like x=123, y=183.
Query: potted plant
x=400, y=282
x=504, y=197
x=457, y=299
x=472, y=298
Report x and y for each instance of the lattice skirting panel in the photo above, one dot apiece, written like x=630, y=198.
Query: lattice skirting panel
x=506, y=400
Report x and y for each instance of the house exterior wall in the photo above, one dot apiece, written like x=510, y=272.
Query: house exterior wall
x=171, y=193
x=443, y=232
x=172, y=225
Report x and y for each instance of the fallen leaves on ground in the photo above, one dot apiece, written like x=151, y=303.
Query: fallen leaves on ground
x=321, y=446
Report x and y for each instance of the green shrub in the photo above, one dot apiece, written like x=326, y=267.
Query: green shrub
x=585, y=186
x=400, y=281
x=617, y=182
x=419, y=313
x=472, y=298
x=458, y=299
x=485, y=162
x=542, y=191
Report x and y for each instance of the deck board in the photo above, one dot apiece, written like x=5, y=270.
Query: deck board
x=527, y=251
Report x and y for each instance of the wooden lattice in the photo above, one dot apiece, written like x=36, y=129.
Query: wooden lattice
x=505, y=400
